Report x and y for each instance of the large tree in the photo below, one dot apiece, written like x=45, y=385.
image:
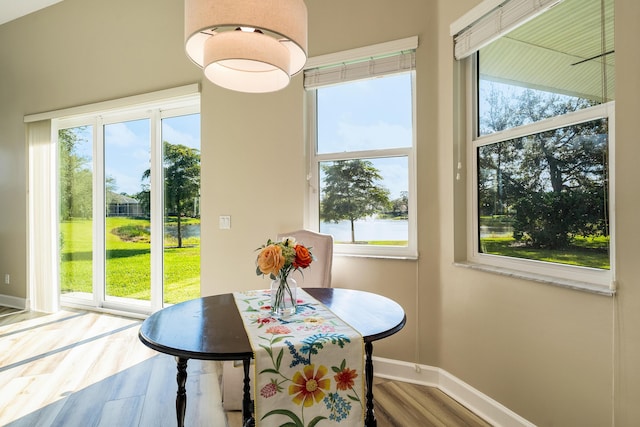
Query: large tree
x=553, y=182
x=181, y=181
x=75, y=177
x=352, y=191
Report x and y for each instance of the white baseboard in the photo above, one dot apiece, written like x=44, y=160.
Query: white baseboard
x=479, y=403
x=13, y=302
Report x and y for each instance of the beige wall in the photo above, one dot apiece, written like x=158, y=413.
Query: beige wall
x=264, y=137
x=549, y=354
x=546, y=353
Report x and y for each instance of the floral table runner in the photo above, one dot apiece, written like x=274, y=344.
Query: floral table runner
x=308, y=366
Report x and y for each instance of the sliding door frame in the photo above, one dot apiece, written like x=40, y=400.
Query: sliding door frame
x=155, y=115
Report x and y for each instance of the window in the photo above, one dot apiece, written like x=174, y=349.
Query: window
x=542, y=94
x=361, y=115
x=128, y=205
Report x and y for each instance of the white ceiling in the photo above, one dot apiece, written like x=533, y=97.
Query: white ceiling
x=13, y=9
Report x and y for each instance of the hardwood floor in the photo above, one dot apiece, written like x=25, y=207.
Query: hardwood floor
x=401, y=404
x=77, y=368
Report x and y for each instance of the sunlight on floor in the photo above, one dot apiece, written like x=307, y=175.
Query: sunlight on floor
x=85, y=368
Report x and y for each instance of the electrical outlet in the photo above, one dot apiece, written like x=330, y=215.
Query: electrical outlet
x=7, y=279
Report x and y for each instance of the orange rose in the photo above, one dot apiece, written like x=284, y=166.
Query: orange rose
x=303, y=257
x=270, y=260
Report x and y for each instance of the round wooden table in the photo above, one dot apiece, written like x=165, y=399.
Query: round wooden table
x=210, y=328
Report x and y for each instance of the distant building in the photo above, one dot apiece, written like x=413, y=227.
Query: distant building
x=121, y=205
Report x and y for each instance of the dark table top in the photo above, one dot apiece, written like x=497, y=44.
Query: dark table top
x=210, y=328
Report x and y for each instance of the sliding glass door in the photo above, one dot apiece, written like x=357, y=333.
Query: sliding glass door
x=127, y=224
x=75, y=184
x=181, y=180
x=129, y=209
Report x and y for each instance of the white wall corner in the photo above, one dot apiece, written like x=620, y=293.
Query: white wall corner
x=14, y=302
x=482, y=405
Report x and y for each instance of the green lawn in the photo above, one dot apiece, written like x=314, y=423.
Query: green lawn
x=585, y=252
x=128, y=260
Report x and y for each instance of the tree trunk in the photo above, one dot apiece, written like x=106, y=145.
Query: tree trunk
x=555, y=174
x=353, y=232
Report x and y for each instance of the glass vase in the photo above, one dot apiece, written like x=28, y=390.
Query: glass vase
x=283, y=296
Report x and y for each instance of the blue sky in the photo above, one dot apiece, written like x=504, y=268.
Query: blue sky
x=127, y=147
x=368, y=115
x=363, y=115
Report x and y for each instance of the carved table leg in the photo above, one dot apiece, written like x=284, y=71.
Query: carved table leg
x=247, y=405
x=370, y=418
x=181, y=398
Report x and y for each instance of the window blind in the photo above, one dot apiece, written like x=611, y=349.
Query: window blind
x=43, y=242
x=373, y=61
x=477, y=28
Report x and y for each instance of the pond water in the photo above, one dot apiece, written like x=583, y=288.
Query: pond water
x=372, y=229
x=496, y=231
x=188, y=230
x=369, y=229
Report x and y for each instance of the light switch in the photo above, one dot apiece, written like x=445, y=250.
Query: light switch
x=225, y=222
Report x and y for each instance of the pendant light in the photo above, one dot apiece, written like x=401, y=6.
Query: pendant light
x=247, y=45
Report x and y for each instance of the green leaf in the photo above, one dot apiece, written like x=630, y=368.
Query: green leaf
x=269, y=370
x=343, y=364
x=296, y=421
x=336, y=369
x=279, y=359
x=353, y=398
x=280, y=338
x=268, y=349
x=316, y=420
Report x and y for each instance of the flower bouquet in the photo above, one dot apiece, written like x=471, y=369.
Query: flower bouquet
x=279, y=260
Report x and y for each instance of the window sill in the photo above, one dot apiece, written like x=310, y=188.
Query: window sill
x=548, y=280
x=377, y=256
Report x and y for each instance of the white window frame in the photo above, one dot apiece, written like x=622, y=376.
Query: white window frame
x=312, y=208
x=575, y=277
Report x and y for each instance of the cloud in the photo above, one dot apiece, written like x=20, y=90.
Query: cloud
x=381, y=135
x=175, y=136
x=127, y=154
x=122, y=135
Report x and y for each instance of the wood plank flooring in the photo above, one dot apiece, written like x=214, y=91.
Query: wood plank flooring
x=86, y=369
